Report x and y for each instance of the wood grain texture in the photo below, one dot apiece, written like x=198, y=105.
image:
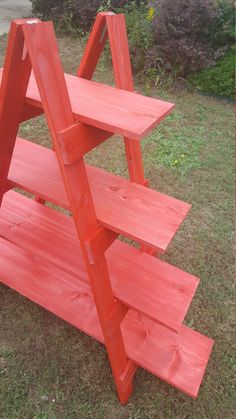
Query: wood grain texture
x=138, y=280
x=178, y=358
x=114, y=110
x=139, y=213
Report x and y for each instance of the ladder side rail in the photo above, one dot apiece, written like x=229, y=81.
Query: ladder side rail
x=42, y=47
x=112, y=26
x=123, y=77
x=90, y=59
x=16, y=74
x=94, y=47
x=124, y=80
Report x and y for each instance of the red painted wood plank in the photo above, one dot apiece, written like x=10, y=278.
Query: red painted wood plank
x=180, y=359
x=115, y=110
x=137, y=212
x=138, y=280
x=50, y=287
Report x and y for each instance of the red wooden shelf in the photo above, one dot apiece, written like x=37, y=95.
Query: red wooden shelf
x=115, y=110
x=135, y=211
x=70, y=261
x=35, y=272
x=138, y=280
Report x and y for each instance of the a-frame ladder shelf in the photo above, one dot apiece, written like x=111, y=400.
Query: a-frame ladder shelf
x=73, y=263
x=138, y=280
x=141, y=214
x=30, y=265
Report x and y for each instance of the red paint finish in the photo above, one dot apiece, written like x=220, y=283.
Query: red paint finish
x=108, y=108
x=74, y=266
x=41, y=44
x=138, y=280
x=178, y=358
x=135, y=211
x=12, y=92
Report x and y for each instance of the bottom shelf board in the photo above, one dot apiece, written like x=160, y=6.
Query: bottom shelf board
x=178, y=358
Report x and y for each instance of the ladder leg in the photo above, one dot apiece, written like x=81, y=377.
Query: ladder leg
x=111, y=314
x=111, y=26
x=124, y=80
x=14, y=84
x=123, y=77
x=94, y=47
x=58, y=112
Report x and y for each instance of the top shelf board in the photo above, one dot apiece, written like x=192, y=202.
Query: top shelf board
x=115, y=110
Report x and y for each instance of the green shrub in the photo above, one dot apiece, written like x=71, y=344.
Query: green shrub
x=145, y=59
x=183, y=33
x=223, y=31
x=217, y=80
x=140, y=35
x=46, y=8
x=167, y=38
x=75, y=16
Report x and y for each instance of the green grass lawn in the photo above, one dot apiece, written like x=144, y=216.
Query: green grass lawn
x=51, y=370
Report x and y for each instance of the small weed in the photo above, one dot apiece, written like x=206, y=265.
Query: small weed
x=175, y=145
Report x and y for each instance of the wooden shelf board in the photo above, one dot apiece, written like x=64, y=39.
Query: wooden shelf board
x=140, y=213
x=138, y=280
x=115, y=110
x=178, y=358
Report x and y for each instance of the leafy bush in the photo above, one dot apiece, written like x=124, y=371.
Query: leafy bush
x=170, y=38
x=167, y=38
x=223, y=31
x=69, y=16
x=182, y=32
x=140, y=35
x=45, y=8
x=218, y=80
x=145, y=58
x=74, y=16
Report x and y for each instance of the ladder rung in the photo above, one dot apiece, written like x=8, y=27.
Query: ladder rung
x=79, y=139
